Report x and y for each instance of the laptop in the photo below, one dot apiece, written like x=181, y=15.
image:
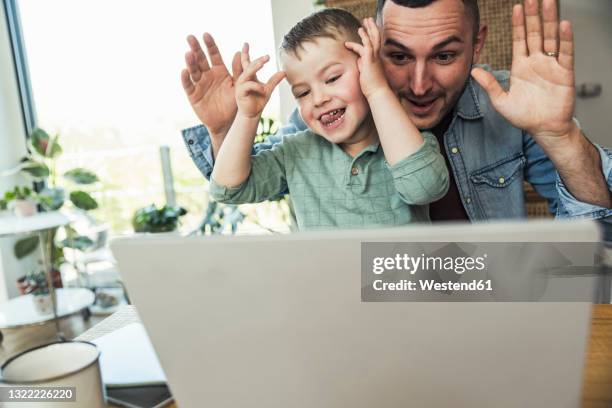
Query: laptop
x=278, y=321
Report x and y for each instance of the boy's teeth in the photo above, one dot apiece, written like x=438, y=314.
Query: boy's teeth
x=331, y=117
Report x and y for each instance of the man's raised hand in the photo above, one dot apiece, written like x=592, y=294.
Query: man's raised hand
x=209, y=86
x=541, y=97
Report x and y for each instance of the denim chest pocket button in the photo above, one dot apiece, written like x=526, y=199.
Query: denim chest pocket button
x=501, y=173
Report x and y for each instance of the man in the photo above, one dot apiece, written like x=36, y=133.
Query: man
x=496, y=129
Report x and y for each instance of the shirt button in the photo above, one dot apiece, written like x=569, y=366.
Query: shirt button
x=468, y=200
x=190, y=141
x=501, y=180
x=455, y=150
x=354, y=171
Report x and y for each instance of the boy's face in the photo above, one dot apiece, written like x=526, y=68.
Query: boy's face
x=324, y=79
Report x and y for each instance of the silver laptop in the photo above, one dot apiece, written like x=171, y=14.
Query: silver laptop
x=278, y=321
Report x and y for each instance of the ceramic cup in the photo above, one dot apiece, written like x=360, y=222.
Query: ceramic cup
x=62, y=364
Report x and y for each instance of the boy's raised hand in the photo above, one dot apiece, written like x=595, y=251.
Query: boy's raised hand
x=252, y=94
x=372, y=77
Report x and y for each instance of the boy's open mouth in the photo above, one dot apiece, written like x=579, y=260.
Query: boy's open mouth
x=332, y=119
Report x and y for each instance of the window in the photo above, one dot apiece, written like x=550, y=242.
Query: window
x=106, y=76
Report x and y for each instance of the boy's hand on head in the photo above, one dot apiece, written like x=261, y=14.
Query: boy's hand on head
x=372, y=77
x=252, y=94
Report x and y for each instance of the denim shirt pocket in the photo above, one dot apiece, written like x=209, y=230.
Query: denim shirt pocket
x=499, y=187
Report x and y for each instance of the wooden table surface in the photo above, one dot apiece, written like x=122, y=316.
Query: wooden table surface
x=597, y=383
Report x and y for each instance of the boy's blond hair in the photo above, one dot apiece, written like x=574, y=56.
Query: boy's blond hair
x=332, y=23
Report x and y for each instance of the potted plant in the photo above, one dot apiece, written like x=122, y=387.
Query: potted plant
x=21, y=200
x=40, y=167
x=156, y=220
x=39, y=289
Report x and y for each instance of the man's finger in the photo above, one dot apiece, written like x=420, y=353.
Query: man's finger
x=213, y=51
x=375, y=35
x=198, y=53
x=192, y=66
x=236, y=66
x=274, y=81
x=186, y=81
x=534, y=26
x=550, y=23
x=489, y=84
x=566, y=46
x=519, y=44
x=364, y=38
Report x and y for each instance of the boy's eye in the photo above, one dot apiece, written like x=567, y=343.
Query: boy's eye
x=445, y=57
x=301, y=94
x=332, y=79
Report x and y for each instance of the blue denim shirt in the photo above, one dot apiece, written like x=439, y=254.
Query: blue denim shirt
x=489, y=157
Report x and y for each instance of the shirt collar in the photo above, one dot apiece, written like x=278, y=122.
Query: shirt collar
x=471, y=102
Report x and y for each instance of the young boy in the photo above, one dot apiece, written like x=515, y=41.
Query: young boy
x=356, y=166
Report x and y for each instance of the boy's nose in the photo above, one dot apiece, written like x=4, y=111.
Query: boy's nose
x=320, y=98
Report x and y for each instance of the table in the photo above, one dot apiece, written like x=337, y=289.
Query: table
x=597, y=383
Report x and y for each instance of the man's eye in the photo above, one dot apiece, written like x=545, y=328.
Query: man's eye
x=445, y=57
x=332, y=79
x=301, y=94
x=398, y=58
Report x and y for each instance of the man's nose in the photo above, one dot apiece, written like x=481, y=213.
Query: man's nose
x=420, y=80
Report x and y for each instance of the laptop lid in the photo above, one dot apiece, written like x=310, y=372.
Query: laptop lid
x=278, y=321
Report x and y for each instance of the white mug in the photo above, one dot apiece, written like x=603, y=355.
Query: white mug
x=61, y=365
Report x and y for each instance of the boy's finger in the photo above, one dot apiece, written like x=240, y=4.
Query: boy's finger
x=375, y=35
x=274, y=81
x=244, y=56
x=252, y=87
x=364, y=38
x=255, y=66
x=186, y=81
x=236, y=66
x=356, y=48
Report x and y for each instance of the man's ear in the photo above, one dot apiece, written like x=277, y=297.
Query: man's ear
x=479, y=43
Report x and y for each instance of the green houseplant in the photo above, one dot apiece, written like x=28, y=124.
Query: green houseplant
x=155, y=220
x=40, y=167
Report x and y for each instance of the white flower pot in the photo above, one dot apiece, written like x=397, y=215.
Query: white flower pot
x=24, y=208
x=43, y=303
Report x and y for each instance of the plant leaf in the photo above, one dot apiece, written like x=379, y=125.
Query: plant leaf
x=53, y=148
x=80, y=242
x=80, y=175
x=52, y=198
x=35, y=169
x=83, y=200
x=25, y=246
x=39, y=139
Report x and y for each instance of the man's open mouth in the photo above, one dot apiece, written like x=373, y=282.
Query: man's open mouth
x=332, y=119
x=421, y=107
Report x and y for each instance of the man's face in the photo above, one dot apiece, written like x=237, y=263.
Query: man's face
x=427, y=55
x=324, y=79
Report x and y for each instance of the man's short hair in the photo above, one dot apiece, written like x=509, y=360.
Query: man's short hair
x=471, y=7
x=328, y=23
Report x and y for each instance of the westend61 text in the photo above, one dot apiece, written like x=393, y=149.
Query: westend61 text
x=428, y=285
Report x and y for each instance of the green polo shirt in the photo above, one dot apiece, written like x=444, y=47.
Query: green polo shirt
x=330, y=189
